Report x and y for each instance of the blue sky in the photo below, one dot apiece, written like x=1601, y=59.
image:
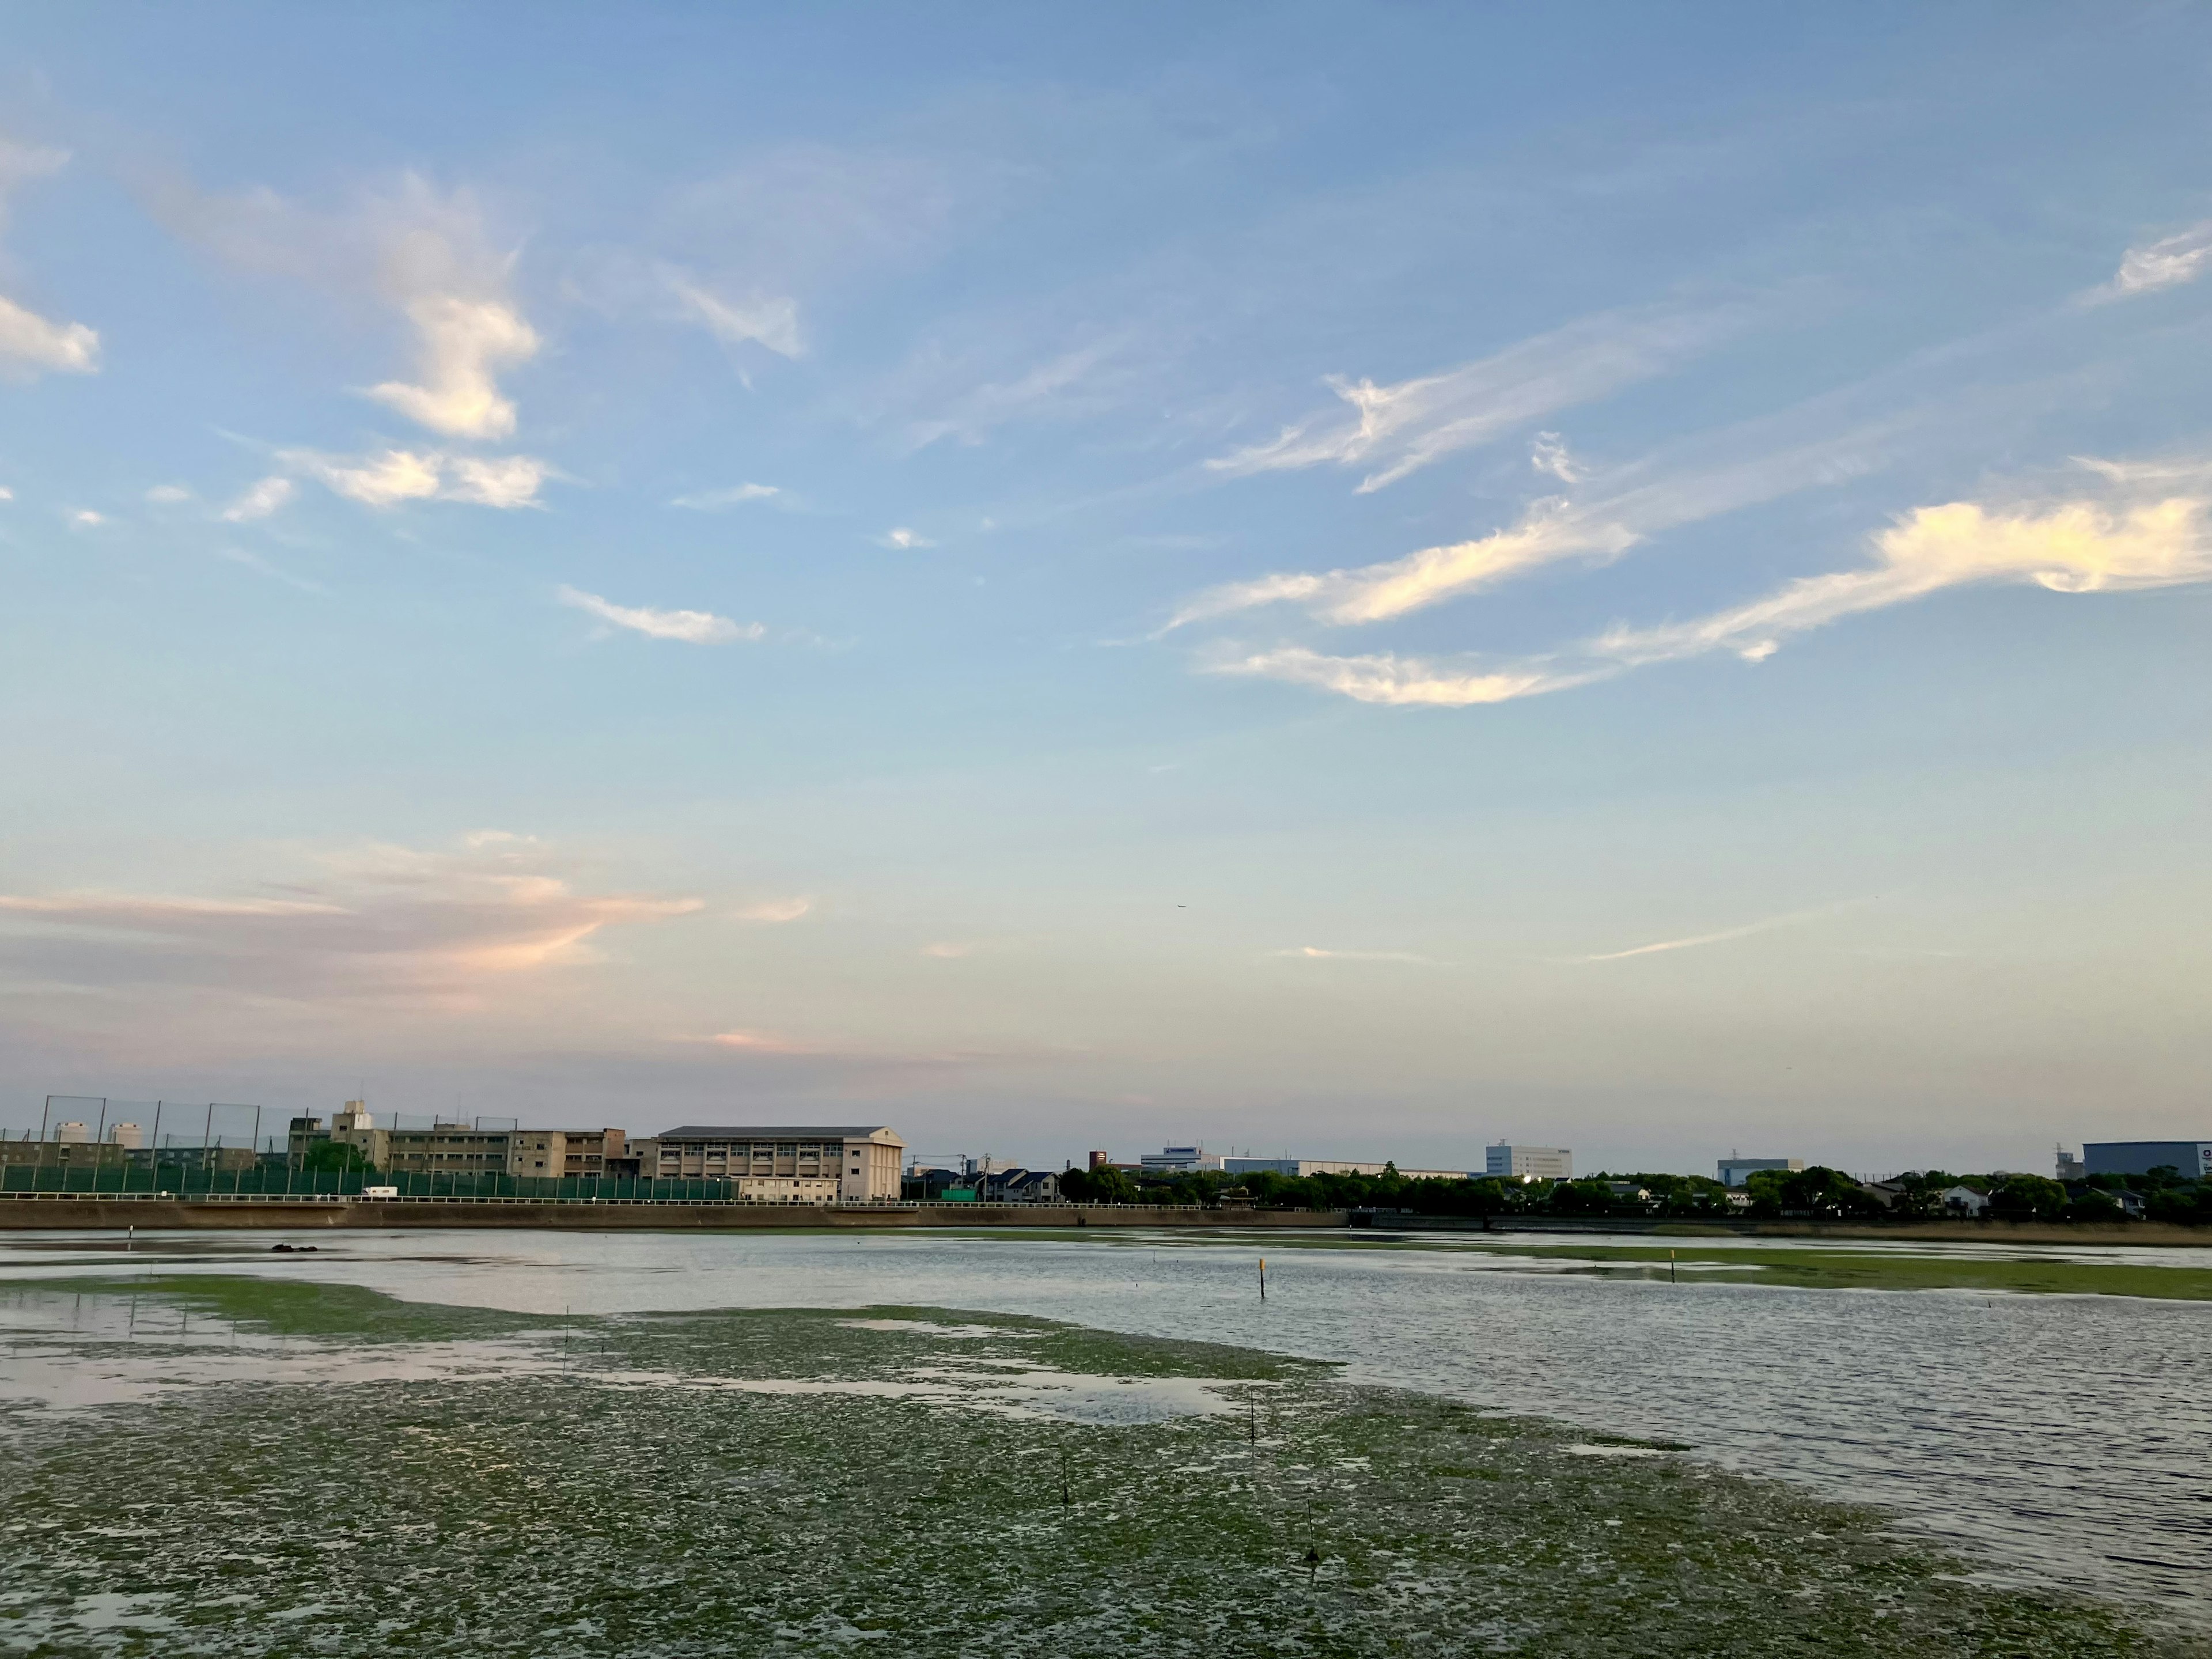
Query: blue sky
x=1343, y=579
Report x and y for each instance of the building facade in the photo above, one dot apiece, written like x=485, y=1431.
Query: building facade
x=1180, y=1160
x=1734, y=1171
x=1300, y=1167
x=807, y=1163
x=466, y=1149
x=1513, y=1163
x=2192, y=1158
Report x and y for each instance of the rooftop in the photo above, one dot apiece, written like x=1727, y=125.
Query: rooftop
x=786, y=1132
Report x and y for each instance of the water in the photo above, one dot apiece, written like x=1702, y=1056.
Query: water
x=2064, y=1440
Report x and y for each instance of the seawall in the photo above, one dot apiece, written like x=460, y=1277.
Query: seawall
x=151, y=1214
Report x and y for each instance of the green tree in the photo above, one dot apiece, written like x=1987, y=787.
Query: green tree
x=2028, y=1198
x=326, y=1156
x=1107, y=1186
x=1819, y=1192
x=2094, y=1206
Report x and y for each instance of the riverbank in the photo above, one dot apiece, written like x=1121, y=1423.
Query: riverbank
x=309, y=1466
x=216, y=1212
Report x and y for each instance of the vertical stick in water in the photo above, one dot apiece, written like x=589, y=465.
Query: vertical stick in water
x=1263, y=1278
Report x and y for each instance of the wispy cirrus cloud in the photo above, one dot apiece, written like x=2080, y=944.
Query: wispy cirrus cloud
x=773, y=911
x=2073, y=547
x=1317, y=953
x=2168, y=263
x=2078, y=546
x=713, y=500
x=258, y=501
x=1721, y=936
x=1406, y=682
x=1398, y=428
x=31, y=345
x=768, y=321
x=690, y=627
x=1621, y=511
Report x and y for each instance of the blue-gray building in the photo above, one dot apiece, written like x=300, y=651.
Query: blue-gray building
x=2193, y=1158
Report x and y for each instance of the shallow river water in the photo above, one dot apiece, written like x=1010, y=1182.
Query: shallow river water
x=2061, y=1440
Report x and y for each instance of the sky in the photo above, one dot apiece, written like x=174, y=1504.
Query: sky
x=1339, y=580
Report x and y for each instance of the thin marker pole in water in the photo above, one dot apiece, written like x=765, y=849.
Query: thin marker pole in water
x=1673, y=1276
x=1263, y=1278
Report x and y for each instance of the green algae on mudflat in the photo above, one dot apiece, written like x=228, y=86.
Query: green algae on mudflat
x=1899, y=1269
x=648, y=1501
x=1892, y=1267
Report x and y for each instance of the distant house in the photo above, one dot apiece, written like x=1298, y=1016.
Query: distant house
x=1884, y=1193
x=1019, y=1187
x=1964, y=1200
x=1628, y=1190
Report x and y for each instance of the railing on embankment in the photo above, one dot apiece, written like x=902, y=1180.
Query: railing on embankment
x=157, y=1212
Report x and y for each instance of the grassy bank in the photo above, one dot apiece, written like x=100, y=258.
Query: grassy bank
x=795, y=1483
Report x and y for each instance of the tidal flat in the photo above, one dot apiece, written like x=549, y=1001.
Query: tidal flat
x=2019, y=1271
x=288, y=1468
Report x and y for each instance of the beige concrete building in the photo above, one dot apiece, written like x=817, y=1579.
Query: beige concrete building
x=802, y=1164
x=463, y=1149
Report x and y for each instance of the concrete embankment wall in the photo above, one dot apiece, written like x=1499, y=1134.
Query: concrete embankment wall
x=157, y=1214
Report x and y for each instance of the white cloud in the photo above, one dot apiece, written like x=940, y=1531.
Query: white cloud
x=2073, y=547
x=463, y=344
x=1396, y=429
x=1386, y=677
x=903, y=539
x=6, y=494
x=948, y=951
x=770, y=322
x=773, y=910
x=427, y=255
x=503, y=480
x=710, y=501
x=85, y=518
x=2076, y=547
x=691, y=627
x=1606, y=526
x=1547, y=452
x=260, y=500
x=168, y=495
x=392, y=476
x=34, y=344
x=29, y=343
x=1548, y=531
x=2167, y=263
